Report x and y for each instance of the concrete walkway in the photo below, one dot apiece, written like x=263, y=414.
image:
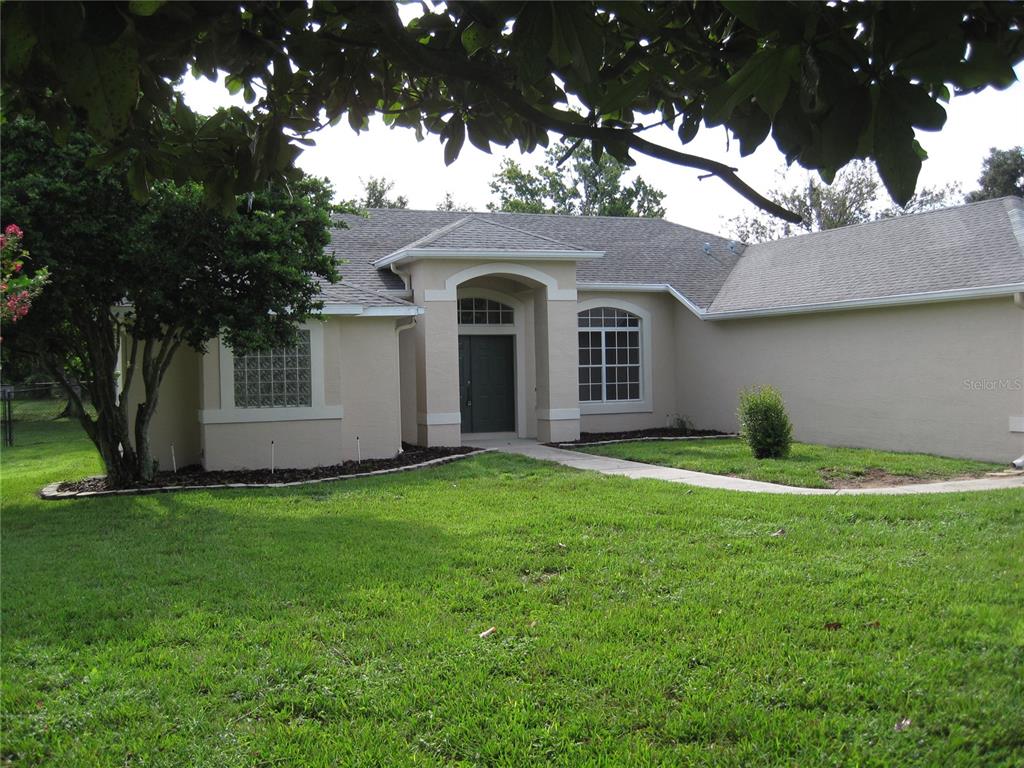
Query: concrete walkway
x=609, y=466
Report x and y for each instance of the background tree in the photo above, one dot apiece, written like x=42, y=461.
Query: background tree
x=375, y=194
x=573, y=182
x=829, y=82
x=447, y=203
x=142, y=280
x=1002, y=174
x=855, y=196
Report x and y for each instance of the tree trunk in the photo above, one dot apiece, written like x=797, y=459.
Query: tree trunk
x=125, y=460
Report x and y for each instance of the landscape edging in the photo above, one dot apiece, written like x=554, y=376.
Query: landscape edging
x=50, y=492
x=642, y=439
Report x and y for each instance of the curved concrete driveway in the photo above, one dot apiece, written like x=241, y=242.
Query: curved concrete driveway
x=609, y=466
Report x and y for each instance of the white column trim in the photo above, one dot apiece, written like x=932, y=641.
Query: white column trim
x=451, y=284
x=558, y=414
x=438, y=419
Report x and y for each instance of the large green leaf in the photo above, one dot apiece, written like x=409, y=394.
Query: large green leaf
x=104, y=81
x=455, y=135
x=895, y=150
x=766, y=77
x=18, y=41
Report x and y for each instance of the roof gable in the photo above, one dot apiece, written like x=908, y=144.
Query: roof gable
x=475, y=233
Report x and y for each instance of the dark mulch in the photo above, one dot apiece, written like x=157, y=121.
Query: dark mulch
x=196, y=475
x=597, y=437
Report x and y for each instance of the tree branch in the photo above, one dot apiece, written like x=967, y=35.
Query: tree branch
x=561, y=121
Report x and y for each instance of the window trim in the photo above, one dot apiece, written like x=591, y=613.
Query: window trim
x=228, y=413
x=645, y=403
x=467, y=297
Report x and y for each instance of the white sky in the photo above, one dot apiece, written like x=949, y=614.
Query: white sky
x=975, y=123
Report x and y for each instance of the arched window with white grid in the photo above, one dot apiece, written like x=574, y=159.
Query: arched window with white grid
x=609, y=355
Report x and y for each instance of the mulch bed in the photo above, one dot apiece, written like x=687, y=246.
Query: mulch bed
x=657, y=433
x=195, y=475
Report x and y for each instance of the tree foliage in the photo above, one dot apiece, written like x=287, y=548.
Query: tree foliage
x=448, y=203
x=376, y=193
x=1002, y=174
x=141, y=280
x=573, y=182
x=828, y=82
x=854, y=196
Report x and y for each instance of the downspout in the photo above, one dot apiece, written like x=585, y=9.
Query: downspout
x=1018, y=300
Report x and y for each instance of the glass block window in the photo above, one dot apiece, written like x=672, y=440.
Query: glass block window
x=275, y=378
x=484, y=312
x=609, y=367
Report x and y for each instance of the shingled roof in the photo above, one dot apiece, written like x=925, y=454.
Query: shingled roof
x=636, y=250
x=475, y=233
x=974, y=246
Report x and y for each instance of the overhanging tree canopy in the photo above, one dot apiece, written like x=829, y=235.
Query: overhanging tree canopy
x=828, y=82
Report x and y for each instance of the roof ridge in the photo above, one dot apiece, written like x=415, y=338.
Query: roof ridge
x=435, y=234
x=535, y=235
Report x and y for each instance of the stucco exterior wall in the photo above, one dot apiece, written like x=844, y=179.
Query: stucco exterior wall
x=936, y=378
x=658, y=311
x=369, y=392
x=174, y=421
x=360, y=386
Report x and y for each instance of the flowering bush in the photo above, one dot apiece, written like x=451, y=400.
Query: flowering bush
x=18, y=288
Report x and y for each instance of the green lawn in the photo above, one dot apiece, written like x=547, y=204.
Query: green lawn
x=637, y=622
x=810, y=466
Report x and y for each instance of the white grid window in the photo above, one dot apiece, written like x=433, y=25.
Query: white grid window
x=609, y=368
x=484, y=312
x=275, y=378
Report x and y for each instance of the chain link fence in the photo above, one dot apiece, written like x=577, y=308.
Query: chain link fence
x=37, y=402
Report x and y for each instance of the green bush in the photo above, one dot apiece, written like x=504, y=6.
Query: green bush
x=764, y=424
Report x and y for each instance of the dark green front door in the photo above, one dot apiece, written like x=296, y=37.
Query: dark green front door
x=487, y=390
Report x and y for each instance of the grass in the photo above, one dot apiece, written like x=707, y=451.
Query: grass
x=638, y=622
x=809, y=466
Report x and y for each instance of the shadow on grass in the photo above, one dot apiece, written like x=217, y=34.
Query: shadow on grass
x=90, y=571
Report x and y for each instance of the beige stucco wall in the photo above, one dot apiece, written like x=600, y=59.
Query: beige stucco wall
x=370, y=394
x=174, y=421
x=360, y=374
x=937, y=378
x=296, y=444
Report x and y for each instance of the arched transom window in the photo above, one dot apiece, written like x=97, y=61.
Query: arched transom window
x=609, y=355
x=474, y=311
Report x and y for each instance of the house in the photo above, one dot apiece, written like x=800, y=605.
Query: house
x=905, y=334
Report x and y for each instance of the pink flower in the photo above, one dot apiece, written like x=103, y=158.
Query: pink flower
x=16, y=267
x=14, y=230
x=3, y=242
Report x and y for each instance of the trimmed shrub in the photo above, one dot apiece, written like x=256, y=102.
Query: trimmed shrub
x=764, y=424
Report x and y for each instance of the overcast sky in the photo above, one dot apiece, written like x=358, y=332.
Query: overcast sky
x=976, y=123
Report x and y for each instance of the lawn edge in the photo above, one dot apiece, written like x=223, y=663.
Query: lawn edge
x=641, y=440
x=50, y=492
